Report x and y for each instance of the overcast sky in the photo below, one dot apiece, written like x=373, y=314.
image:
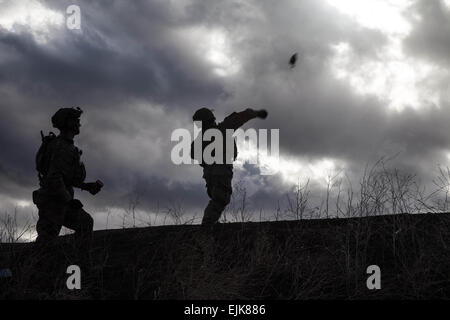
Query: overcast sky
x=371, y=80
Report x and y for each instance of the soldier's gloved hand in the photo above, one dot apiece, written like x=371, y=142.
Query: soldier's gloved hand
x=261, y=114
x=92, y=187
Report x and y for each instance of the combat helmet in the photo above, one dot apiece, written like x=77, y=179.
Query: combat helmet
x=203, y=114
x=59, y=119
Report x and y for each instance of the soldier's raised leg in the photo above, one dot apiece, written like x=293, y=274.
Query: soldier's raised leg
x=82, y=223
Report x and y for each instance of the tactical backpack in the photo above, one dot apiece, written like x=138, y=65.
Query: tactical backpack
x=204, y=144
x=192, y=149
x=43, y=155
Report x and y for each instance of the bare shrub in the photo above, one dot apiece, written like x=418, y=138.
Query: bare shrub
x=238, y=208
x=11, y=231
x=297, y=202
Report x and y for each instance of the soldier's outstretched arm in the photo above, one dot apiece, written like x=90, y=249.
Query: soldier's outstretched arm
x=92, y=187
x=237, y=119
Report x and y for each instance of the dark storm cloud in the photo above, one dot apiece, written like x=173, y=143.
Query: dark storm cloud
x=85, y=66
x=138, y=75
x=84, y=69
x=321, y=116
x=429, y=38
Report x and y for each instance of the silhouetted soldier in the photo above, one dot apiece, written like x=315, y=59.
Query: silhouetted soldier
x=218, y=176
x=60, y=170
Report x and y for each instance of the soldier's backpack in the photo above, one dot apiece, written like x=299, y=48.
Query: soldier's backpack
x=43, y=156
x=204, y=144
x=193, y=149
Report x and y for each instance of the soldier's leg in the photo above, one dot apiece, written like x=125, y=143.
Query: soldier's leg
x=80, y=221
x=49, y=223
x=219, y=190
x=45, y=254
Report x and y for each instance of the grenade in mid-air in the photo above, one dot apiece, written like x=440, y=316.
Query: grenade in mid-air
x=293, y=60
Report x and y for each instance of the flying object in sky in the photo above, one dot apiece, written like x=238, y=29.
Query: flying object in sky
x=293, y=60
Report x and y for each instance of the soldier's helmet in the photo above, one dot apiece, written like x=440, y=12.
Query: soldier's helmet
x=60, y=118
x=203, y=114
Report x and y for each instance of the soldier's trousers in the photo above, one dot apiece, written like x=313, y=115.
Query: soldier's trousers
x=53, y=216
x=219, y=190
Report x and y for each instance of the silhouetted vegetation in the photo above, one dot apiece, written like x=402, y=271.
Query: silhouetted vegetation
x=295, y=259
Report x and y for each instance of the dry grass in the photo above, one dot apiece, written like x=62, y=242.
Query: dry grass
x=296, y=259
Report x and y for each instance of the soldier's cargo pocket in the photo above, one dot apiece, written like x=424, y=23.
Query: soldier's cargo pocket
x=37, y=198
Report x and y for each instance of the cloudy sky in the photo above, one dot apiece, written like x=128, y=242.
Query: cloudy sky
x=371, y=81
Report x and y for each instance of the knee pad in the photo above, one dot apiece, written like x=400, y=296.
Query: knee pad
x=86, y=222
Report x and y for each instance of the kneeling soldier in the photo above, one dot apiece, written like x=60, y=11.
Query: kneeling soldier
x=60, y=170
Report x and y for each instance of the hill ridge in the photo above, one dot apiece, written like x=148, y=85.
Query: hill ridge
x=290, y=259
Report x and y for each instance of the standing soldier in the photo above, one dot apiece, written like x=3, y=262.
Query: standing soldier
x=59, y=170
x=218, y=176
